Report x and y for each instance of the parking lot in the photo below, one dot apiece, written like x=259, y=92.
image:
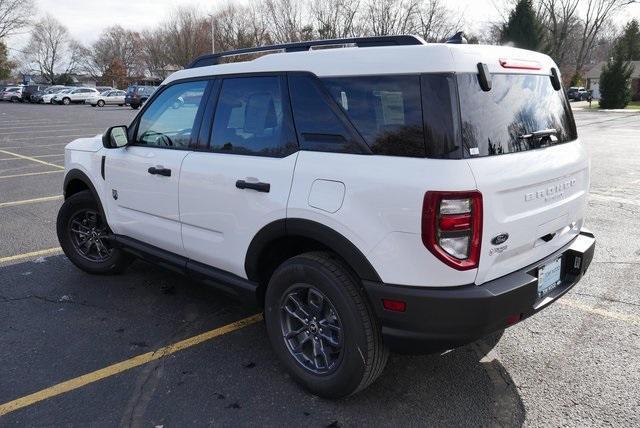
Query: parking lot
x=151, y=348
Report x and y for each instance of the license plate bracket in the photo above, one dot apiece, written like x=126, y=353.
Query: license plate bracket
x=549, y=276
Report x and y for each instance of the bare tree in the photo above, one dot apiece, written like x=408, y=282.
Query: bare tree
x=598, y=13
x=233, y=28
x=286, y=21
x=188, y=34
x=51, y=51
x=335, y=18
x=559, y=18
x=155, y=52
x=388, y=17
x=436, y=21
x=15, y=15
x=117, y=43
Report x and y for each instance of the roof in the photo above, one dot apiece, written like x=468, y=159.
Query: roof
x=594, y=73
x=353, y=61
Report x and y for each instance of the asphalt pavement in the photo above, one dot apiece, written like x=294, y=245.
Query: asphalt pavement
x=86, y=350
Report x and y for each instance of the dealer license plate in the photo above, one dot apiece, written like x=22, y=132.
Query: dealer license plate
x=549, y=276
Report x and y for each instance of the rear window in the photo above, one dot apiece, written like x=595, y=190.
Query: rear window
x=503, y=119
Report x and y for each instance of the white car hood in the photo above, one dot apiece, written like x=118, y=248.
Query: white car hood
x=90, y=144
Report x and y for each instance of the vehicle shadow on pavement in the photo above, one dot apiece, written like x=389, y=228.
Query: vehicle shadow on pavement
x=59, y=323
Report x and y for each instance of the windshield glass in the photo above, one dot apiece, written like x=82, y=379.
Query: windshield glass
x=525, y=113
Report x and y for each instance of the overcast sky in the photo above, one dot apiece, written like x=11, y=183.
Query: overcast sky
x=85, y=19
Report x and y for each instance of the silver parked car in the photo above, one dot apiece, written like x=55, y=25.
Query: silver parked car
x=109, y=97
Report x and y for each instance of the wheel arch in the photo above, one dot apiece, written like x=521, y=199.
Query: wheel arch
x=285, y=238
x=77, y=181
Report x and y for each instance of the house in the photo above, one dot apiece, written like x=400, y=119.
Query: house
x=593, y=80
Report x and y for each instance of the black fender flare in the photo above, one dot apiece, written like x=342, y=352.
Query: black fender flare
x=76, y=174
x=297, y=227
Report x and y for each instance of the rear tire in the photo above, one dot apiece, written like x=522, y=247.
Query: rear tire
x=313, y=291
x=82, y=231
x=66, y=101
x=100, y=103
x=135, y=106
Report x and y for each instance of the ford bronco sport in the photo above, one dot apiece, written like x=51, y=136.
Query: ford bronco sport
x=382, y=194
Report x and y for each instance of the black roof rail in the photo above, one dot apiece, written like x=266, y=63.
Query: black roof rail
x=362, y=42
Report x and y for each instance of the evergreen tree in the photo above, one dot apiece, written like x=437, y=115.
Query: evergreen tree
x=5, y=65
x=629, y=42
x=615, y=81
x=523, y=28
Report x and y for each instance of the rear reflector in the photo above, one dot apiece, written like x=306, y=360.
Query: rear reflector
x=513, y=319
x=520, y=64
x=394, y=305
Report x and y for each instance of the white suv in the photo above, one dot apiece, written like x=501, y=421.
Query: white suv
x=389, y=194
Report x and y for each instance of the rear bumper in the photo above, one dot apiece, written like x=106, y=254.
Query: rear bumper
x=437, y=319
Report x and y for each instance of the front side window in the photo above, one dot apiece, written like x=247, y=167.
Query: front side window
x=250, y=120
x=168, y=122
x=386, y=111
x=521, y=112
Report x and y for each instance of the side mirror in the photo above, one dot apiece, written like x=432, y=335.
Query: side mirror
x=115, y=137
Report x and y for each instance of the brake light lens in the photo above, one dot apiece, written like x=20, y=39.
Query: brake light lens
x=520, y=64
x=452, y=227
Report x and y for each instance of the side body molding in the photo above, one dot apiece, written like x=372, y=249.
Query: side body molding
x=296, y=227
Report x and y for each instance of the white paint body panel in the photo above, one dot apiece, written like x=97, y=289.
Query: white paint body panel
x=147, y=205
x=218, y=219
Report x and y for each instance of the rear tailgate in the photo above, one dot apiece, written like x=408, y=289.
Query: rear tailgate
x=537, y=197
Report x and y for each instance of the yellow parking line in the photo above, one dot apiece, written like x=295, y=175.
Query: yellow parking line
x=31, y=159
x=125, y=365
x=41, y=253
x=30, y=201
x=30, y=173
x=632, y=319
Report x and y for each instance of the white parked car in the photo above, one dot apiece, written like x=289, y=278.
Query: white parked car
x=395, y=195
x=75, y=96
x=50, y=97
x=109, y=97
x=12, y=93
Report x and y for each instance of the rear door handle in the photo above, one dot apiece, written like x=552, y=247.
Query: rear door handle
x=260, y=187
x=159, y=171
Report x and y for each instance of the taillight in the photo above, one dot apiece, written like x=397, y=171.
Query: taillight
x=452, y=227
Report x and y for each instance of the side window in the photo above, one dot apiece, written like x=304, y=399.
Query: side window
x=386, y=111
x=169, y=120
x=250, y=118
x=319, y=127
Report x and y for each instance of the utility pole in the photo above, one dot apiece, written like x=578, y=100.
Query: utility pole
x=213, y=34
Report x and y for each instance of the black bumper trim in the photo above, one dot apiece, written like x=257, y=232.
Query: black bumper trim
x=438, y=319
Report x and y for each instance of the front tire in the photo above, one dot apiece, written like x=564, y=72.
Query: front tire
x=66, y=101
x=83, y=235
x=321, y=326
x=100, y=103
x=135, y=106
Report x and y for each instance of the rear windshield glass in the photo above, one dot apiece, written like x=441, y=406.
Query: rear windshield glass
x=521, y=112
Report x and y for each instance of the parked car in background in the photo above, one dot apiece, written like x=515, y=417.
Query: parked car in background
x=50, y=98
x=12, y=93
x=36, y=97
x=578, y=93
x=75, y=96
x=109, y=97
x=29, y=91
x=138, y=95
x=101, y=89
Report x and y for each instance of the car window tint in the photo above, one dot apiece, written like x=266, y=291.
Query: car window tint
x=169, y=120
x=319, y=127
x=440, y=116
x=249, y=118
x=386, y=111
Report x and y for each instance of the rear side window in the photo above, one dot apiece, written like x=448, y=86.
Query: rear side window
x=504, y=119
x=319, y=126
x=250, y=118
x=386, y=111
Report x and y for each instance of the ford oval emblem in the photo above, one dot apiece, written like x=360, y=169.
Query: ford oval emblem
x=500, y=239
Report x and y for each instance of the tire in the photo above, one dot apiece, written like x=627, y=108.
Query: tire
x=135, y=106
x=100, y=103
x=76, y=209
x=360, y=357
x=66, y=101
x=120, y=105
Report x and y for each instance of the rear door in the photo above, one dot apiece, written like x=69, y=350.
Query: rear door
x=534, y=186
x=142, y=179
x=242, y=181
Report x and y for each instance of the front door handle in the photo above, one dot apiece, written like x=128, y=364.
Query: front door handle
x=159, y=171
x=260, y=187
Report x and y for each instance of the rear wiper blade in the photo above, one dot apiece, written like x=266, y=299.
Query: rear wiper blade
x=552, y=133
